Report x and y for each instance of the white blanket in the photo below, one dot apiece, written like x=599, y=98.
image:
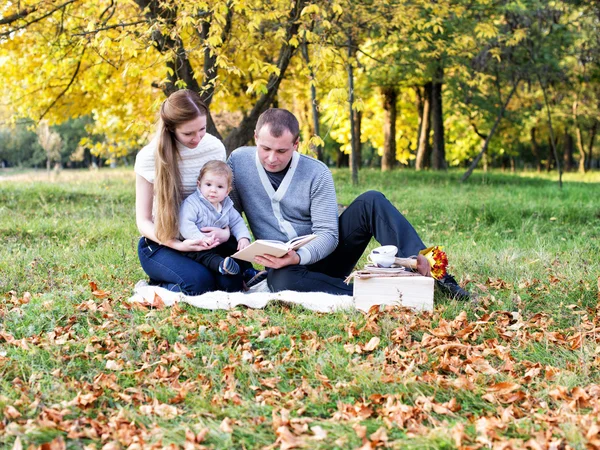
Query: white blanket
x=315, y=301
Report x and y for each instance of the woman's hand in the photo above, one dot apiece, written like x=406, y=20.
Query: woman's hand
x=243, y=243
x=218, y=234
x=192, y=245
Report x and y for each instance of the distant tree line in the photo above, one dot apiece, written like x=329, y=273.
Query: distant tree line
x=421, y=84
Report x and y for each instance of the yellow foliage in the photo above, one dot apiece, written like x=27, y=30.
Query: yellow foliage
x=486, y=30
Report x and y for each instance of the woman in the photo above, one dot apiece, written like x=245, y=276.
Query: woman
x=166, y=173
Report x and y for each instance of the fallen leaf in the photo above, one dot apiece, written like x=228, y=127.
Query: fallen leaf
x=225, y=426
x=157, y=302
x=56, y=444
x=97, y=292
x=287, y=440
x=504, y=387
x=165, y=411
x=11, y=412
x=319, y=433
x=111, y=364
x=379, y=436
x=372, y=344
x=17, y=445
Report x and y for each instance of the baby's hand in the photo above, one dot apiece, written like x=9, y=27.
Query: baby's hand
x=243, y=243
x=208, y=241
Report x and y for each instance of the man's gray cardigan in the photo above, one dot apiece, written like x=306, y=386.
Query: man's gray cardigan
x=304, y=203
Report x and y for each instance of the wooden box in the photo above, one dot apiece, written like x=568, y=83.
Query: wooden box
x=411, y=290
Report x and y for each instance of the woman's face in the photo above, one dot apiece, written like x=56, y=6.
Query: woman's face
x=191, y=133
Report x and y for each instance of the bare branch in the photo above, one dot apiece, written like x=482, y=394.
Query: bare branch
x=37, y=19
x=20, y=15
x=110, y=27
x=67, y=87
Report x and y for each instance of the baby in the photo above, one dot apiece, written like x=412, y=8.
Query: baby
x=210, y=206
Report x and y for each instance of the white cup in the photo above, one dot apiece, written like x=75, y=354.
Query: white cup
x=381, y=260
x=386, y=250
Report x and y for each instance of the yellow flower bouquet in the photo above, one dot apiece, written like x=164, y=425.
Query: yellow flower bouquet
x=438, y=260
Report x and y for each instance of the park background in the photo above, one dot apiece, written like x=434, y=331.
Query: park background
x=403, y=97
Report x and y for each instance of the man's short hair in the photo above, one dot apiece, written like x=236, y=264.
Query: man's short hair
x=279, y=120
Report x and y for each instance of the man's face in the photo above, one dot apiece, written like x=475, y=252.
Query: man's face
x=274, y=153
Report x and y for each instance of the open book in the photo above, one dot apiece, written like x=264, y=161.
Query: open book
x=276, y=248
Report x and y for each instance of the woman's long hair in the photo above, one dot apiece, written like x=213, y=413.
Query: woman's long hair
x=180, y=107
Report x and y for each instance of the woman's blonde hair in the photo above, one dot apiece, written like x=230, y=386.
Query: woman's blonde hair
x=180, y=107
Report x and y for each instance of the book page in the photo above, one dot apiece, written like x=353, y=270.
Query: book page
x=297, y=242
x=260, y=248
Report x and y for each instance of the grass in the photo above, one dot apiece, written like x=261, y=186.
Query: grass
x=90, y=371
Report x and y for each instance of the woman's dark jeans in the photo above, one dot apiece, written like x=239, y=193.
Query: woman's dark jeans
x=172, y=270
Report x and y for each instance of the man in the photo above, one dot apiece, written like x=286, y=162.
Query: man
x=285, y=194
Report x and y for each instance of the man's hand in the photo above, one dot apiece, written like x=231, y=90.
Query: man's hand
x=243, y=243
x=289, y=259
x=423, y=266
x=218, y=234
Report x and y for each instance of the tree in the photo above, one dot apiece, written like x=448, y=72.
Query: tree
x=109, y=58
x=51, y=142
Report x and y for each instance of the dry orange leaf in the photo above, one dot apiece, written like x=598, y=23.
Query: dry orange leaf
x=97, y=292
x=56, y=444
x=111, y=364
x=372, y=344
x=157, y=302
x=226, y=425
x=504, y=387
x=11, y=412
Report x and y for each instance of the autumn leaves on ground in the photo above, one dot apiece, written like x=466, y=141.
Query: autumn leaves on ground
x=82, y=368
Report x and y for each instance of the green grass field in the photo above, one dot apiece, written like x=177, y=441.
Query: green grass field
x=517, y=369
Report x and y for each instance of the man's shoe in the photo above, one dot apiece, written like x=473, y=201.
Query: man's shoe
x=452, y=289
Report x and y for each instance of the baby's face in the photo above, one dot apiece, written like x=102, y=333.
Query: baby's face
x=214, y=187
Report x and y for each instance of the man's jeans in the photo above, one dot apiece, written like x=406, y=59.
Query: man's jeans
x=370, y=215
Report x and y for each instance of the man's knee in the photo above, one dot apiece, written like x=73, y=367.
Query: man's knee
x=371, y=197
x=283, y=279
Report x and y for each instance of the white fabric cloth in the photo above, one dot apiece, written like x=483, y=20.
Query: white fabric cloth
x=315, y=301
x=190, y=163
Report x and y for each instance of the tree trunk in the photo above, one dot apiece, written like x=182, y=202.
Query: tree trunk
x=535, y=149
x=353, y=144
x=420, y=101
x=357, y=151
x=552, y=141
x=593, y=132
x=424, y=147
x=210, y=67
x=313, y=101
x=550, y=160
x=568, y=152
x=471, y=168
x=438, y=157
x=180, y=67
x=243, y=133
x=390, y=96
x=342, y=159
x=578, y=136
